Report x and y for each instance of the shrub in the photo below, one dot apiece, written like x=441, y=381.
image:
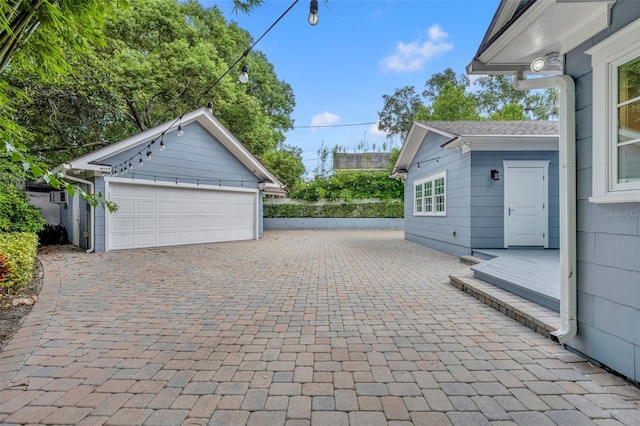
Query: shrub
x=350, y=185
x=370, y=210
x=17, y=253
x=16, y=215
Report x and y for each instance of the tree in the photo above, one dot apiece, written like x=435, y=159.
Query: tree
x=159, y=60
x=399, y=111
x=436, y=82
x=452, y=103
x=286, y=164
x=510, y=112
x=497, y=92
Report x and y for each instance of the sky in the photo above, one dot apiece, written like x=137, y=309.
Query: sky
x=359, y=51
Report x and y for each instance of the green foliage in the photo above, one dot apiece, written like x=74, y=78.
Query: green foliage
x=510, y=112
x=345, y=210
x=16, y=215
x=399, y=111
x=17, y=253
x=452, y=103
x=350, y=185
x=286, y=164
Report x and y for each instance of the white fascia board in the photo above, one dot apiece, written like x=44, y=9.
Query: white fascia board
x=506, y=143
x=568, y=23
x=409, y=148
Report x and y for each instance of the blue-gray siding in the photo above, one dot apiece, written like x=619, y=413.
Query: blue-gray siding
x=608, y=278
x=487, y=196
x=474, y=202
x=438, y=231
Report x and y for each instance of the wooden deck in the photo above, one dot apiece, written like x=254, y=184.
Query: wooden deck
x=531, y=274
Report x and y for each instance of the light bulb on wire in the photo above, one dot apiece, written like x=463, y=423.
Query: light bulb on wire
x=180, y=131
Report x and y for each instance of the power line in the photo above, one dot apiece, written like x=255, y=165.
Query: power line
x=335, y=125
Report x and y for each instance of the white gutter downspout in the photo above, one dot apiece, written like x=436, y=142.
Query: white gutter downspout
x=93, y=211
x=567, y=160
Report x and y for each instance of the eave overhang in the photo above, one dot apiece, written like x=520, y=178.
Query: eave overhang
x=544, y=26
x=410, y=147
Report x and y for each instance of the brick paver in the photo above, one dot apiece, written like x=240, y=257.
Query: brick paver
x=301, y=327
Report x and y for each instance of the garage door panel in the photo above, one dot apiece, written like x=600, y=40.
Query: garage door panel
x=167, y=238
x=165, y=223
x=146, y=223
x=160, y=216
x=186, y=208
x=166, y=207
x=145, y=207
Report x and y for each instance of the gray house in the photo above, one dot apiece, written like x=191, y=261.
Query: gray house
x=480, y=184
x=183, y=182
x=590, y=51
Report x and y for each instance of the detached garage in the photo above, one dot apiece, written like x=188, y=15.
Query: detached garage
x=201, y=186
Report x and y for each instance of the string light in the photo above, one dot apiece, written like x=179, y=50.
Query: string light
x=180, y=131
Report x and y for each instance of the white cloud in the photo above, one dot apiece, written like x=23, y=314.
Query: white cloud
x=373, y=131
x=324, y=119
x=413, y=55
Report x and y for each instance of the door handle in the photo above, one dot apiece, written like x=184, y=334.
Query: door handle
x=511, y=210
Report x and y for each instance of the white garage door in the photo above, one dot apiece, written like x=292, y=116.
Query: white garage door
x=152, y=216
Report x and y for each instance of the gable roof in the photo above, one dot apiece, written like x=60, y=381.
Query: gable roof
x=96, y=161
x=478, y=135
x=522, y=30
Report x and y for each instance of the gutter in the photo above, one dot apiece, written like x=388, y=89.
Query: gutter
x=567, y=160
x=93, y=211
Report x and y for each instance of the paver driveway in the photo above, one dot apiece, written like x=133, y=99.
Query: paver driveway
x=321, y=327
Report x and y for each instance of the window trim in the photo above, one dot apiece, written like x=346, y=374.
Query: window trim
x=606, y=57
x=432, y=178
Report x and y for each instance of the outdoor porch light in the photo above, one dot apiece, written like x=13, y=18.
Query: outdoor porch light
x=244, y=75
x=180, y=131
x=541, y=63
x=313, y=12
x=495, y=175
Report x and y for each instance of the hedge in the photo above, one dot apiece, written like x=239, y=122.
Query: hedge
x=348, y=210
x=17, y=254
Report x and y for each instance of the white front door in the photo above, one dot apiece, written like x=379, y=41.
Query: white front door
x=526, y=203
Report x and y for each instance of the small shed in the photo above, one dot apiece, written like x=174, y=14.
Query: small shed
x=480, y=184
x=183, y=182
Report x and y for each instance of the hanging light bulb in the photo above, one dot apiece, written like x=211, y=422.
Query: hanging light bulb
x=148, y=154
x=140, y=163
x=244, y=75
x=210, y=107
x=130, y=166
x=313, y=12
x=180, y=131
x=162, y=143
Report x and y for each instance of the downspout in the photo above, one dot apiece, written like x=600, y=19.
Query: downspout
x=567, y=160
x=93, y=211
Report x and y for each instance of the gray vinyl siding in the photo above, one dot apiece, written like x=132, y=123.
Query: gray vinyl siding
x=608, y=237
x=66, y=217
x=196, y=157
x=487, y=196
x=437, y=231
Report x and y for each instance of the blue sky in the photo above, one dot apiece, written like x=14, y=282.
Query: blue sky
x=359, y=51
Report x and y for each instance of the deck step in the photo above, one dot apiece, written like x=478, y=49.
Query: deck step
x=538, y=318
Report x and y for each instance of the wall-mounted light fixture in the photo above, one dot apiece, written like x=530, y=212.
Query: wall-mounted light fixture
x=546, y=62
x=313, y=12
x=495, y=175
